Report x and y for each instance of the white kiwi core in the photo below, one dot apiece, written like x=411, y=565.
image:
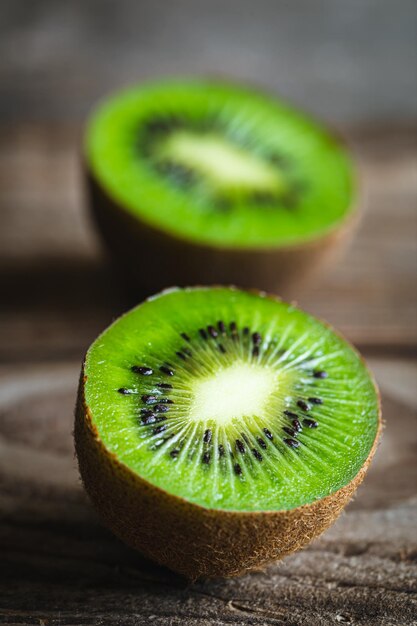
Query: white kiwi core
x=241, y=390
x=226, y=165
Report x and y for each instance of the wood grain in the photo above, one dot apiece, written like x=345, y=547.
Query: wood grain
x=57, y=291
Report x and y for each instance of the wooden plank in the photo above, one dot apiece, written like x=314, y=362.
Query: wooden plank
x=57, y=293
x=371, y=294
x=59, y=566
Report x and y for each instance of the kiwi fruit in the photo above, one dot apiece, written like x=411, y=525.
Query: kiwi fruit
x=219, y=429
x=203, y=182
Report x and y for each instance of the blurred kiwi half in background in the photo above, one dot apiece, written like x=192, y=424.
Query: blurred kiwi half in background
x=200, y=181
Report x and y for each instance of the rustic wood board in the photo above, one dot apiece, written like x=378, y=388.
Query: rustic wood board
x=59, y=566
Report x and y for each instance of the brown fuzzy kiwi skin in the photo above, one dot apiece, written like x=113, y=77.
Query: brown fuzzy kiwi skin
x=189, y=539
x=149, y=259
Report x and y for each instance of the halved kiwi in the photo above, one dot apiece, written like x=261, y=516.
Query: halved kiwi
x=197, y=181
x=218, y=429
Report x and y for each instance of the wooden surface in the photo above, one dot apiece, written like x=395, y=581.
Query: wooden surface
x=50, y=264
x=59, y=566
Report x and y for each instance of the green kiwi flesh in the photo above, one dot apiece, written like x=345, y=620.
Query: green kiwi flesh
x=207, y=405
x=199, y=168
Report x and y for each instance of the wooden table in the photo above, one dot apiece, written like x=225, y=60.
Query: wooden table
x=58, y=564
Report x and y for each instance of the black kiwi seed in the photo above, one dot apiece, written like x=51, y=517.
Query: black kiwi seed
x=292, y=443
x=164, y=385
x=148, y=419
x=246, y=331
x=237, y=469
x=279, y=160
x=257, y=454
x=158, y=125
x=142, y=369
x=240, y=446
x=221, y=326
x=161, y=408
x=261, y=442
x=303, y=405
x=297, y=425
x=320, y=374
x=203, y=333
x=147, y=399
x=166, y=370
x=185, y=336
x=310, y=423
x=124, y=391
x=255, y=351
x=206, y=458
x=289, y=431
x=222, y=348
x=165, y=400
x=268, y=434
x=256, y=338
x=159, y=429
x=181, y=356
x=263, y=198
x=233, y=327
x=291, y=414
x=187, y=351
x=212, y=331
x=174, y=453
x=207, y=436
x=178, y=173
x=315, y=400
x=221, y=450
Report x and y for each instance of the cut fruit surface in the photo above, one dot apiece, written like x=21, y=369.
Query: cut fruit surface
x=220, y=165
x=231, y=400
x=226, y=167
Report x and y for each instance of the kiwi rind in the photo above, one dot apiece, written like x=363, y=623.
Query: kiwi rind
x=149, y=259
x=195, y=541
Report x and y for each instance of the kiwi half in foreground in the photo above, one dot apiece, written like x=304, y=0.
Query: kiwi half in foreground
x=196, y=181
x=218, y=429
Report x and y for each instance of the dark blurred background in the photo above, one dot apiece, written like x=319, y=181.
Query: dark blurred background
x=352, y=64
x=348, y=62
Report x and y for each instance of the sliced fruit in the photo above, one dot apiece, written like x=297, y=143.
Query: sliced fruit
x=218, y=429
x=197, y=180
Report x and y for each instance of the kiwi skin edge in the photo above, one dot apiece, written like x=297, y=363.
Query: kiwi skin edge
x=149, y=259
x=189, y=539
